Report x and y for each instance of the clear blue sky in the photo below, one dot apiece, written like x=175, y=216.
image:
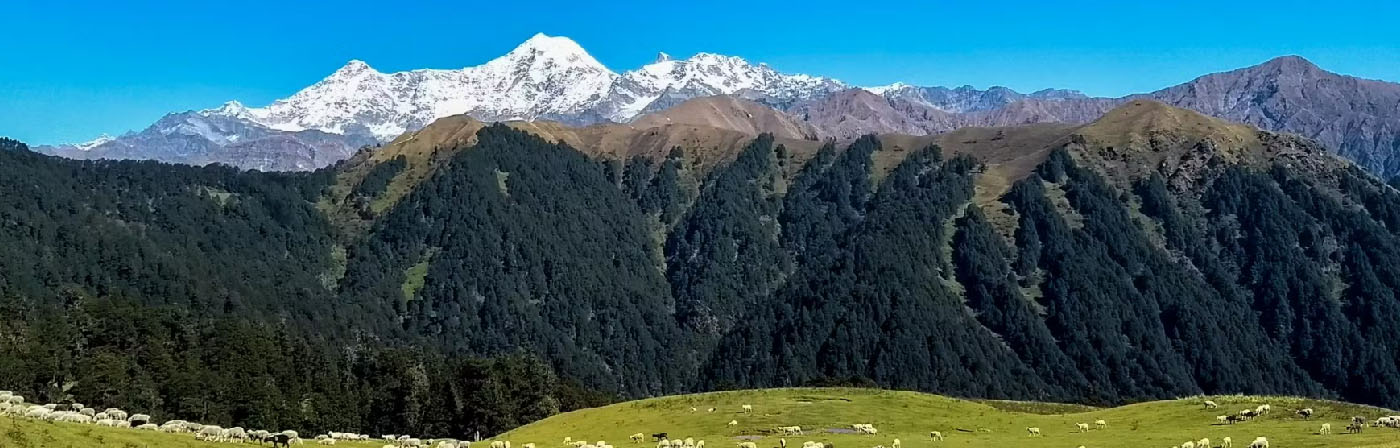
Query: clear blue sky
x=72, y=70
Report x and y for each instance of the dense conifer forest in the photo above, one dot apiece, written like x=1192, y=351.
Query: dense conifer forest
x=523, y=278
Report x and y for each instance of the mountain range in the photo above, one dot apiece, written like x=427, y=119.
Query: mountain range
x=554, y=79
x=719, y=243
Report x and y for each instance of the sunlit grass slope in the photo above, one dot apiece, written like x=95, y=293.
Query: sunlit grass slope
x=910, y=416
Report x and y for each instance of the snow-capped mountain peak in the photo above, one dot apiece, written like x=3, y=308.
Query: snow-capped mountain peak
x=668, y=81
x=881, y=90
x=551, y=50
x=543, y=77
x=104, y=138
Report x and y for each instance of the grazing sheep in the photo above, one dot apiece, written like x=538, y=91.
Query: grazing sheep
x=1325, y=429
x=326, y=441
x=1222, y=419
x=1034, y=432
x=664, y=443
x=711, y=410
x=731, y=423
x=1189, y=444
x=693, y=410
x=1204, y=442
x=1083, y=427
x=1101, y=424
x=1355, y=428
x=527, y=445
x=1305, y=413
x=894, y=444
x=1263, y=409
x=498, y=444
x=747, y=408
x=659, y=436
x=1211, y=404
x=637, y=438
x=235, y=434
x=935, y=435
x=139, y=419
x=146, y=427
x=37, y=412
x=1227, y=443
x=90, y=412
x=209, y=432
x=748, y=445
x=1259, y=442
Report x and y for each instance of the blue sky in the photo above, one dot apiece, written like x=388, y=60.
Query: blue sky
x=72, y=70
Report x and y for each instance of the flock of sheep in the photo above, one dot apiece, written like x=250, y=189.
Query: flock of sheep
x=13, y=405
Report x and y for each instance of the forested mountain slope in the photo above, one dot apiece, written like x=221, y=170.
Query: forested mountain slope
x=1154, y=253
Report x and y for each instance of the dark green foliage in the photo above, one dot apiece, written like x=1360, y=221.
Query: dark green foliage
x=992, y=293
x=547, y=277
x=195, y=293
x=532, y=247
x=724, y=256
x=873, y=305
x=378, y=177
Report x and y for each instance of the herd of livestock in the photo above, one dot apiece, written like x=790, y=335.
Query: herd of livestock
x=12, y=404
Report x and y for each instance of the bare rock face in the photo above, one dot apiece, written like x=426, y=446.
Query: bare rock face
x=1357, y=118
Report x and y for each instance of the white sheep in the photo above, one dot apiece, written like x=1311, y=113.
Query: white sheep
x=731, y=423
x=37, y=412
x=747, y=408
x=935, y=435
x=1259, y=442
x=1325, y=429
x=1263, y=409
x=1189, y=444
x=1083, y=427
x=664, y=443
x=1205, y=442
x=1034, y=432
x=1211, y=404
x=895, y=444
x=748, y=445
x=1227, y=443
x=209, y=432
x=1101, y=424
x=636, y=437
x=147, y=426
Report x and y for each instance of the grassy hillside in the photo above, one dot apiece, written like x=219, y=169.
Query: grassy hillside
x=909, y=416
x=827, y=413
